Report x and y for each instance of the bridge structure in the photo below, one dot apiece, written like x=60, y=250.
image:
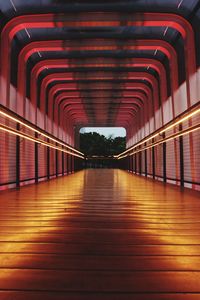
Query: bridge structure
x=127, y=232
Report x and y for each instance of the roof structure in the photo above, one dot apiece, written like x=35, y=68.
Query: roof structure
x=104, y=63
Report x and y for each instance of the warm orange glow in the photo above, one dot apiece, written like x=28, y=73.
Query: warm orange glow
x=31, y=222
x=190, y=115
x=38, y=141
x=103, y=224
x=167, y=139
x=38, y=131
x=187, y=131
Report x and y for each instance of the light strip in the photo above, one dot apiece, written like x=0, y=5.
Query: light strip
x=181, y=120
x=167, y=139
x=27, y=33
x=38, y=131
x=165, y=31
x=15, y=132
x=38, y=141
x=179, y=5
x=40, y=55
x=13, y=5
x=162, y=131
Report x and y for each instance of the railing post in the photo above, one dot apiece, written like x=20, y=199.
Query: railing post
x=18, y=158
x=164, y=161
x=68, y=164
x=48, y=161
x=36, y=159
x=72, y=163
x=130, y=166
x=128, y=163
x=140, y=162
x=132, y=163
x=181, y=158
x=63, y=162
x=153, y=160
x=145, y=161
x=56, y=161
x=135, y=157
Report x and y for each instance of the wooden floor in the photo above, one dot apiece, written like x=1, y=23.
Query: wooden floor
x=100, y=234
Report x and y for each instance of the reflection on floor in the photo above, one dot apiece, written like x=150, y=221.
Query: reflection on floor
x=100, y=234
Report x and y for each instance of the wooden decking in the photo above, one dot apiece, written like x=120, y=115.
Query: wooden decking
x=100, y=234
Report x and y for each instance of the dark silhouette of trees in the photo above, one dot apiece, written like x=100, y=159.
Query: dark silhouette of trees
x=95, y=144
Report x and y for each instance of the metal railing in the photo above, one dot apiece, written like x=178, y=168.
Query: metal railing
x=135, y=158
x=13, y=124
x=161, y=134
x=51, y=141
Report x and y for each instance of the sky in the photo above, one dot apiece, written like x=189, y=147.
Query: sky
x=106, y=131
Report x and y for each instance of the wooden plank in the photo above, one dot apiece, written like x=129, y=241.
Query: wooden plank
x=34, y=295
x=100, y=234
x=94, y=262
x=101, y=281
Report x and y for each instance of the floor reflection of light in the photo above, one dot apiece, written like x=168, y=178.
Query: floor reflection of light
x=162, y=211
x=158, y=216
x=25, y=212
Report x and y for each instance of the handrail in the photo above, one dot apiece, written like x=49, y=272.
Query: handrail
x=194, y=110
x=19, y=120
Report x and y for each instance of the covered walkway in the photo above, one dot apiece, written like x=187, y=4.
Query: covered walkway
x=100, y=234
x=131, y=233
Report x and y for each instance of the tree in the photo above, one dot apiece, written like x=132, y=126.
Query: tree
x=95, y=144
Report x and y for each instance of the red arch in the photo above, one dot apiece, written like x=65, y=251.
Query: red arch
x=141, y=19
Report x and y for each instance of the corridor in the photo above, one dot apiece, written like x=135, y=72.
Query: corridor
x=102, y=235
x=72, y=233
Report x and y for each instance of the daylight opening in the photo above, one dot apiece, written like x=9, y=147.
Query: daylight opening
x=101, y=144
x=106, y=131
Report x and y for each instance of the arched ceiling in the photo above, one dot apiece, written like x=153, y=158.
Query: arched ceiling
x=103, y=63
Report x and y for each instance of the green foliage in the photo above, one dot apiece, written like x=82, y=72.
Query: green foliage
x=95, y=144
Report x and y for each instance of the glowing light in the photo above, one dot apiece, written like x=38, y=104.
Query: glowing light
x=38, y=141
x=180, y=120
x=167, y=139
x=38, y=131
